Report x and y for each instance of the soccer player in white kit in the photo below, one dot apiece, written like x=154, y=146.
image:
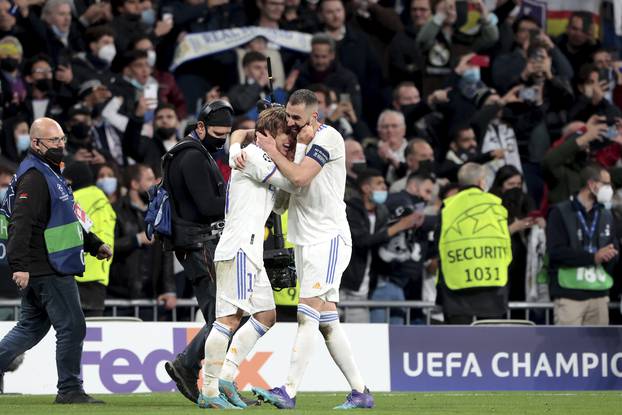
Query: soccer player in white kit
x=319, y=229
x=242, y=285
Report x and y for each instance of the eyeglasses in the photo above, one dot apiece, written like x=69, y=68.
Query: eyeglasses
x=54, y=140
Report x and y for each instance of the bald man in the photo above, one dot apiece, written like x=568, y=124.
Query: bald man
x=45, y=247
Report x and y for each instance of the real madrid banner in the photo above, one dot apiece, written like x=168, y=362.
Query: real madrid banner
x=198, y=45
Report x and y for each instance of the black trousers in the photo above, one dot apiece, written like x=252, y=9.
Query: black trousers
x=199, y=269
x=50, y=300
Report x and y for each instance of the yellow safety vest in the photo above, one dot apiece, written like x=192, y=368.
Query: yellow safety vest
x=475, y=246
x=287, y=296
x=96, y=205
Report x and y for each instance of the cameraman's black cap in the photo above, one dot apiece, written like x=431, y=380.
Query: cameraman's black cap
x=218, y=113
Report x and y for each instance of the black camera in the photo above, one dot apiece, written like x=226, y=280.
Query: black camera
x=279, y=264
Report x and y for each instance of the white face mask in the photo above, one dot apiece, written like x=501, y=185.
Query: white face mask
x=151, y=57
x=605, y=194
x=107, y=53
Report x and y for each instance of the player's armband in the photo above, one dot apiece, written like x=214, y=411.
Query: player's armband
x=319, y=154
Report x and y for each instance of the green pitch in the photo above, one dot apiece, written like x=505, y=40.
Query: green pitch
x=461, y=403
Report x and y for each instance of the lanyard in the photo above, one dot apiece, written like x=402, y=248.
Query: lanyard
x=589, y=232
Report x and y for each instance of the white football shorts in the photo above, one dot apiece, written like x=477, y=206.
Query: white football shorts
x=240, y=284
x=319, y=268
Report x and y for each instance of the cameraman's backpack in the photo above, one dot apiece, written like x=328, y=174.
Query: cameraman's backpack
x=160, y=215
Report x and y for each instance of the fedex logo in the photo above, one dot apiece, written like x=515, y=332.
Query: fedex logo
x=122, y=361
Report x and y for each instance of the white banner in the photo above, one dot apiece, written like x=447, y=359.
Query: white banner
x=197, y=45
x=129, y=357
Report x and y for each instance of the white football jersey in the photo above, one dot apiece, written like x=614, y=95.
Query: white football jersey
x=250, y=198
x=317, y=213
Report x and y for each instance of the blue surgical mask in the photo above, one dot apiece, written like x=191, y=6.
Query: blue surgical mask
x=471, y=75
x=379, y=196
x=108, y=185
x=3, y=191
x=23, y=142
x=59, y=33
x=148, y=17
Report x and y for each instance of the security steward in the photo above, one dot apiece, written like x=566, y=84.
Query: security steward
x=475, y=251
x=197, y=192
x=47, y=237
x=583, y=251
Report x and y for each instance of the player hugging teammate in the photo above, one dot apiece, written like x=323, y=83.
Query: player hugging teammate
x=315, y=181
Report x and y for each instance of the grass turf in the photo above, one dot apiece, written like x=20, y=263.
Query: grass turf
x=549, y=403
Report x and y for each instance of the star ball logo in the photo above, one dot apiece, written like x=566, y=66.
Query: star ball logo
x=120, y=361
x=481, y=221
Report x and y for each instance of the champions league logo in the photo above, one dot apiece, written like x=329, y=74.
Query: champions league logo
x=479, y=219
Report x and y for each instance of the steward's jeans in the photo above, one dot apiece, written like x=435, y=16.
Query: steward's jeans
x=199, y=269
x=50, y=300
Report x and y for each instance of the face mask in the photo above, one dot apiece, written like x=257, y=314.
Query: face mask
x=148, y=17
x=133, y=17
x=59, y=33
x=108, y=185
x=151, y=57
x=471, y=75
x=137, y=84
x=604, y=195
x=80, y=130
x=9, y=64
x=144, y=196
x=43, y=85
x=54, y=156
x=3, y=191
x=22, y=143
x=426, y=167
x=379, y=196
x=164, y=133
x=466, y=154
x=214, y=143
x=107, y=53
x=330, y=110
x=358, y=166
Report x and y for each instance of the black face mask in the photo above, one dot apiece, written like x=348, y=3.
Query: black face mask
x=164, y=133
x=427, y=167
x=516, y=202
x=43, y=85
x=213, y=144
x=466, y=154
x=144, y=196
x=80, y=131
x=9, y=64
x=132, y=17
x=54, y=155
x=359, y=167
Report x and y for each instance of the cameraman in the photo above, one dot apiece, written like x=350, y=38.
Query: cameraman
x=197, y=192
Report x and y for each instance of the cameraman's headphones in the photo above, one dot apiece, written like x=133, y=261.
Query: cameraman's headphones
x=213, y=106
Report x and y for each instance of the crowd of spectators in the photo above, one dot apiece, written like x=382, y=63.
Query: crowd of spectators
x=414, y=95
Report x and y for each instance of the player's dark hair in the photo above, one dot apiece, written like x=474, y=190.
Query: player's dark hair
x=272, y=120
x=303, y=96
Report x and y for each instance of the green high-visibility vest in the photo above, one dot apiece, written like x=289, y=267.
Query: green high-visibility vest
x=100, y=211
x=474, y=246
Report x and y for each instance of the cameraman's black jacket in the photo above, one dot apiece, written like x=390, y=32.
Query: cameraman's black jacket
x=362, y=242
x=196, y=187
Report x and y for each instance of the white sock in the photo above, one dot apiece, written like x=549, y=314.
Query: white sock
x=215, y=350
x=241, y=345
x=340, y=350
x=308, y=323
